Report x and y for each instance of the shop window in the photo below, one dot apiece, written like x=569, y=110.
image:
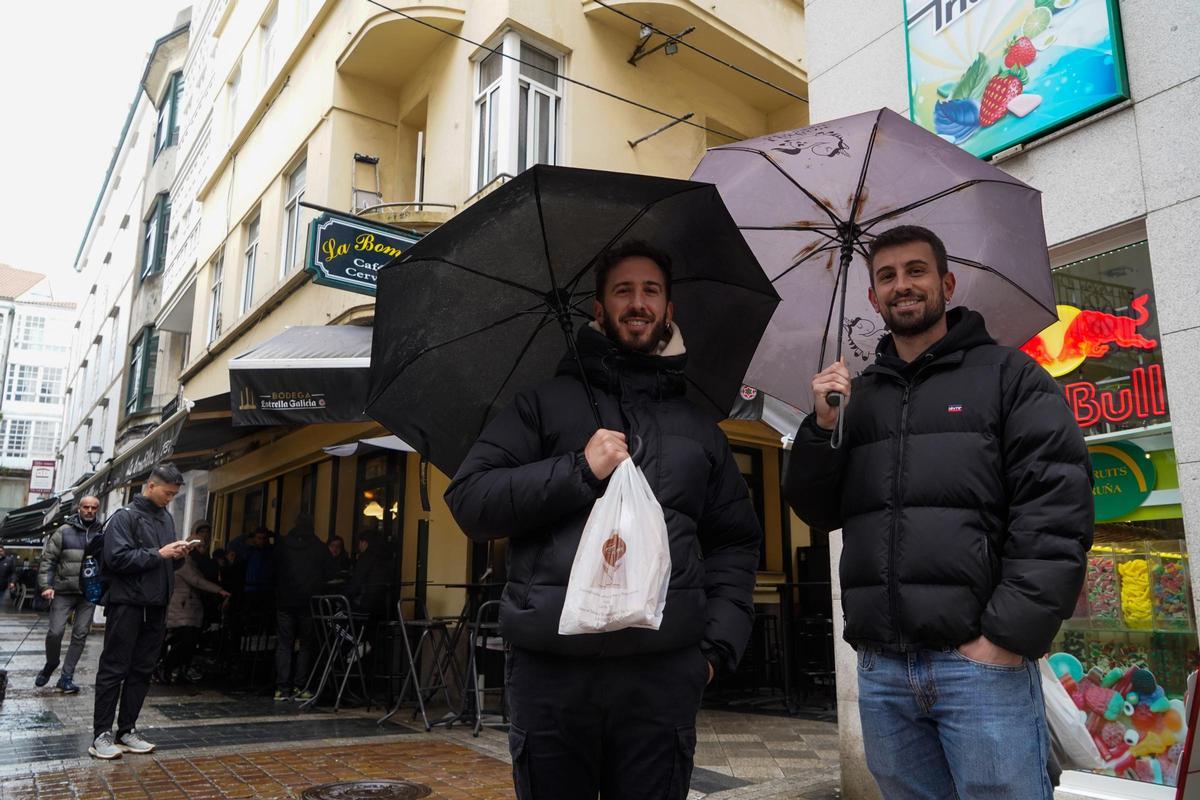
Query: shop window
x=508, y=142
x=254, y=509
x=1133, y=632
x=308, y=492
x=379, y=503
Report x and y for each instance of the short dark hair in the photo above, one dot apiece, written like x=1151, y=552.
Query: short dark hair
x=633, y=248
x=167, y=473
x=907, y=234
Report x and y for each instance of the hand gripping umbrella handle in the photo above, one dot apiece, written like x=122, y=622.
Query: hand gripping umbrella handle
x=837, y=400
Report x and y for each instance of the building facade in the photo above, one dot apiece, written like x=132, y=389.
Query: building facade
x=35, y=334
x=1121, y=196
x=119, y=367
x=348, y=107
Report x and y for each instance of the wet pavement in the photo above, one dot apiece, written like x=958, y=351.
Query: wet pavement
x=220, y=744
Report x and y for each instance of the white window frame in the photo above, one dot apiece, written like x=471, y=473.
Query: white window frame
x=47, y=430
x=50, y=385
x=292, y=247
x=253, y=230
x=26, y=325
x=21, y=383
x=496, y=113
x=8, y=426
x=268, y=30
x=214, y=296
x=233, y=101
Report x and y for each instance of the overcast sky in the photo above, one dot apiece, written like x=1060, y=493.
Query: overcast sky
x=68, y=72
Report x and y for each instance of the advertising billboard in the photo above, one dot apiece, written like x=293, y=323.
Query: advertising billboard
x=991, y=74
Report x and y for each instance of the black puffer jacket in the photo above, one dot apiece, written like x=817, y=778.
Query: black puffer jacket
x=62, y=555
x=963, y=489
x=303, y=566
x=137, y=574
x=526, y=478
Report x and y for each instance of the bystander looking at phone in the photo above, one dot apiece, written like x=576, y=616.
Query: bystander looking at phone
x=141, y=553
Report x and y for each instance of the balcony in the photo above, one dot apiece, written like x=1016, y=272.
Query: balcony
x=420, y=217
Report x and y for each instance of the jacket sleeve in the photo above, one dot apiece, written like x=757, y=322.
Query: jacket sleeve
x=48, y=566
x=730, y=539
x=1048, y=479
x=197, y=581
x=506, y=487
x=123, y=553
x=812, y=483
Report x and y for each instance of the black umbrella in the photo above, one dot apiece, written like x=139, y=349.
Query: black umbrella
x=486, y=304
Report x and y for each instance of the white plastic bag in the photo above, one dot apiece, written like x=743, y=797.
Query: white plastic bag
x=622, y=568
x=1073, y=745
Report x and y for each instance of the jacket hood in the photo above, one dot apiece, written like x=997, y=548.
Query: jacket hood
x=201, y=523
x=609, y=366
x=966, y=329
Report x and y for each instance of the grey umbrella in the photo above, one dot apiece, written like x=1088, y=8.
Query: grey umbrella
x=809, y=201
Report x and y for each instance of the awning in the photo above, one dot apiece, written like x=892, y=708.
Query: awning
x=369, y=445
x=305, y=374
x=208, y=428
x=29, y=524
x=139, y=459
x=762, y=407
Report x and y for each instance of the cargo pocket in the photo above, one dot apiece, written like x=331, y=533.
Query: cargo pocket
x=518, y=747
x=685, y=754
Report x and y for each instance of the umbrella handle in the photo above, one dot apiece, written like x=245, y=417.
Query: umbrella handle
x=837, y=400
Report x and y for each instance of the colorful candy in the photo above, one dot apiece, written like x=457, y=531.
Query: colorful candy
x=1135, y=593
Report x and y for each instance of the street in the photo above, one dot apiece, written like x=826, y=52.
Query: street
x=215, y=744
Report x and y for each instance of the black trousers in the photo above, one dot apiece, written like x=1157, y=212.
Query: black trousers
x=133, y=637
x=618, y=728
x=181, y=646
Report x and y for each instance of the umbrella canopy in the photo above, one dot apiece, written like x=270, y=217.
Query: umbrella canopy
x=488, y=303
x=810, y=201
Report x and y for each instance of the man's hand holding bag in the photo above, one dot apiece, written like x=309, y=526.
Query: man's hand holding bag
x=622, y=568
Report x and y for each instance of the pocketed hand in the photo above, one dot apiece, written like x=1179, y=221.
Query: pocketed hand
x=987, y=652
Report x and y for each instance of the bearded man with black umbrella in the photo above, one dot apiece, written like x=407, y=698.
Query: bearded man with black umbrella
x=612, y=714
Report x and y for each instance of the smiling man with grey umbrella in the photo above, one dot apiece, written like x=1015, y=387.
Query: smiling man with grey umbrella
x=962, y=488
x=613, y=714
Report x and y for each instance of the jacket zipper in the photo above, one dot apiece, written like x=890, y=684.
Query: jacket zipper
x=893, y=587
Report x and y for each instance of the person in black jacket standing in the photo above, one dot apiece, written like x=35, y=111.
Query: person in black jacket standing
x=303, y=566
x=963, y=491
x=140, y=556
x=612, y=713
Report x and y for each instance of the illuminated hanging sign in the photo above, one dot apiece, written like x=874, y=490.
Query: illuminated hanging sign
x=1123, y=476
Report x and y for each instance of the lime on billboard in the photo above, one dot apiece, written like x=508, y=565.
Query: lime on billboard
x=991, y=74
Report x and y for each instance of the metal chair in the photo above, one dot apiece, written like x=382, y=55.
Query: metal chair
x=341, y=648
x=432, y=636
x=485, y=636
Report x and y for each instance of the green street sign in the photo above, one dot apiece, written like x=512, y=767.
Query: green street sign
x=1124, y=477
x=346, y=252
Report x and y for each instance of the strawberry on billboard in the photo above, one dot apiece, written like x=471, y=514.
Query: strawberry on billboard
x=991, y=74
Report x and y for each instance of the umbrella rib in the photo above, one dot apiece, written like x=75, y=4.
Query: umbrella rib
x=632, y=221
x=516, y=363
x=918, y=203
x=966, y=262
x=705, y=394
x=824, y=249
x=504, y=281
x=770, y=160
x=829, y=318
x=862, y=175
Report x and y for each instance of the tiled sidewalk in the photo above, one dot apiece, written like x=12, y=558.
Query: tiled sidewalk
x=216, y=745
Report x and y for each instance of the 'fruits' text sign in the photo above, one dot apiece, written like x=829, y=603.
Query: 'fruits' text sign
x=991, y=74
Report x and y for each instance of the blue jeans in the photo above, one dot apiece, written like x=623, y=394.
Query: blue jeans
x=937, y=725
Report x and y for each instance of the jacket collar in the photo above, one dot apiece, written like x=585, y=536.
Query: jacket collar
x=966, y=329
x=75, y=521
x=612, y=368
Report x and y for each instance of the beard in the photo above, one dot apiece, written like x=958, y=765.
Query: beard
x=932, y=310
x=657, y=332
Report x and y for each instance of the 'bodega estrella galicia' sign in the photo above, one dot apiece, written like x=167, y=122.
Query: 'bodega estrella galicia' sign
x=346, y=252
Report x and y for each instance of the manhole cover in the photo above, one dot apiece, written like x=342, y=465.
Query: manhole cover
x=367, y=790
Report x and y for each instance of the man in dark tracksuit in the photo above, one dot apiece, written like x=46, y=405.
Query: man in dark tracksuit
x=962, y=488
x=612, y=713
x=58, y=579
x=141, y=554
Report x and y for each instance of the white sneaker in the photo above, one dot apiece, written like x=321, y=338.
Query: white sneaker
x=104, y=747
x=133, y=742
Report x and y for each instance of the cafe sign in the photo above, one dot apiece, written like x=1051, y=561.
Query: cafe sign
x=1123, y=476
x=346, y=252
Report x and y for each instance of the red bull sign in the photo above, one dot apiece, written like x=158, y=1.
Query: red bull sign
x=1083, y=335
